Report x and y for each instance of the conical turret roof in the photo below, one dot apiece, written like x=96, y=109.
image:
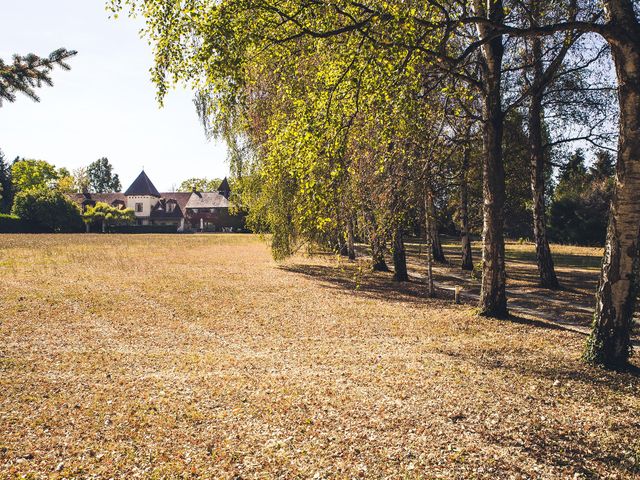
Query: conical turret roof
x=224, y=188
x=142, y=186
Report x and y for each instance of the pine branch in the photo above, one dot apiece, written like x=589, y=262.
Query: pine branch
x=27, y=73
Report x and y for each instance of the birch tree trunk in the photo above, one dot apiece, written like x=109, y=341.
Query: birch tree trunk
x=610, y=340
x=546, y=270
x=493, y=298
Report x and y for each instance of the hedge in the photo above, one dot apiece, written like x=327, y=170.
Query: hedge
x=12, y=224
x=142, y=229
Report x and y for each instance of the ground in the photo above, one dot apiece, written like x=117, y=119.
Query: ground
x=198, y=356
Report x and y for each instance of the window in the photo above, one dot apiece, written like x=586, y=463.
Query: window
x=138, y=207
x=170, y=206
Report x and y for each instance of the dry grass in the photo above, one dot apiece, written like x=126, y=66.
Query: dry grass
x=199, y=357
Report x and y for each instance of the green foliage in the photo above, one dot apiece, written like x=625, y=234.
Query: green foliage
x=321, y=129
x=200, y=185
x=580, y=208
x=100, y=177
x=108, y=215
x=27, y=73
x=47, y=210
x=11, y=224
x=139, y=229
x=6, y=187
x=27, y=174
x=517, y=208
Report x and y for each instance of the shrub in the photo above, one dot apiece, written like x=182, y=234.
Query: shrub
x=43, y=209
x=11, y=224
x=142, y=229
x=106, y=216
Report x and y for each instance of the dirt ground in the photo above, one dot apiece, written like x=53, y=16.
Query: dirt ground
x=571, y=306
x=198, y=356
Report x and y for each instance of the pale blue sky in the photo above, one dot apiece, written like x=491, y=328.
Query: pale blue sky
x=104, y=106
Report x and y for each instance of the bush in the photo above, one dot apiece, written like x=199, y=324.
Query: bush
x=580, y=220
x=142, y=229
x=43, y=209
x=11, y=224
x=105, y=216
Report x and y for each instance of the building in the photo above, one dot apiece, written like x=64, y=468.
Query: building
x=187, y=211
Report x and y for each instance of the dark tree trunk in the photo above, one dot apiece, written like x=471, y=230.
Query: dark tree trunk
x=378, y=263
x=342, y=246
x=493, y=298
x=428, y=231
x=544, y=259
x=465, y=240
x=351, y=250
x=399, y=257
x=610, y=340
x=436, y=245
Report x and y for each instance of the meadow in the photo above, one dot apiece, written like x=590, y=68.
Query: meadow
x=198, y=356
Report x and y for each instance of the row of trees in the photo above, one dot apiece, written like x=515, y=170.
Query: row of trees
x=26, y=174
x=35, y=192
x=203, y=184
x=348, y=118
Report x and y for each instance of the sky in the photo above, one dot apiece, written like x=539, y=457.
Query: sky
x=105, y=106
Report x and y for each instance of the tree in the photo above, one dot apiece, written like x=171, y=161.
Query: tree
x=65, y=182
x=604, y=166
x=6, y=187
x=101, y=177
x=81, y=181
x=610, y=341
x=28, y=173
x=200, y=184
x=580, y=206
x=47, y=210
x=27, y=73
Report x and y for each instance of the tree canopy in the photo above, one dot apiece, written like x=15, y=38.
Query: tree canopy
x=100, y=177
x=200, y=184
x=47, y=210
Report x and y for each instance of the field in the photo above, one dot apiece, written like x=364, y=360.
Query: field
x=198, y=356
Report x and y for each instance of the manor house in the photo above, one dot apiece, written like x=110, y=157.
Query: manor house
x=188, y=211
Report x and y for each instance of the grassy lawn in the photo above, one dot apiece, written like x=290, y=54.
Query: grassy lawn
x=197, y=356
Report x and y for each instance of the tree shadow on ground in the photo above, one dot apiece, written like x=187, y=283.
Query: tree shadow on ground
x=380, y=285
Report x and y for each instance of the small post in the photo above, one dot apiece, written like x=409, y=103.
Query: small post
x=456, y=294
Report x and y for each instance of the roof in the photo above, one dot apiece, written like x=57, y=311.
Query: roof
x=207, y=200
x=180, y=198
x=97, y=197
x=142, y=186
x=224, y=186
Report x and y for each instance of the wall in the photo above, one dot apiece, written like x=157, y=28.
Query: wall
x=147, y=203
